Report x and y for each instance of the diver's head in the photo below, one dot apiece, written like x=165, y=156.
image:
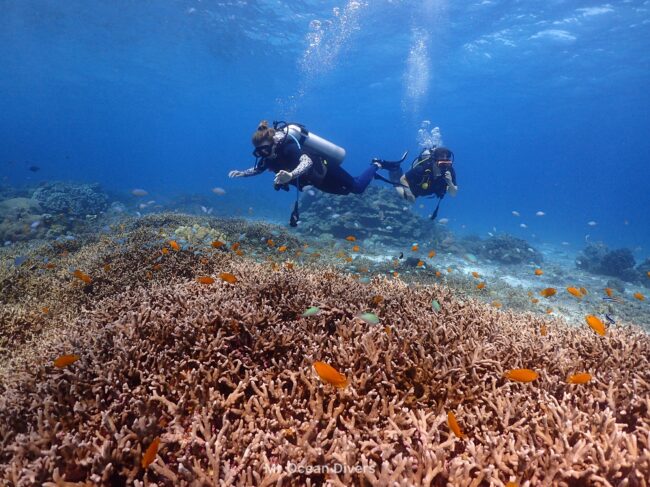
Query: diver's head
x=443, y=157
x=263, y=141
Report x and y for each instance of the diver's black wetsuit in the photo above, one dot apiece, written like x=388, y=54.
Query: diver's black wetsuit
x=428, y=175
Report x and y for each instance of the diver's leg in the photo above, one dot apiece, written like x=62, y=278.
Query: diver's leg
x=339, y=181
x=361, y=182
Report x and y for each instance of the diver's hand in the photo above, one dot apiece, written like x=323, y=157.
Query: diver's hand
x=235, y=174
x=451, y=188
x=282, y=177
x=448, y=178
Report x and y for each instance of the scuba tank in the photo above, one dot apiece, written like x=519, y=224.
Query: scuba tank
x=311, y=142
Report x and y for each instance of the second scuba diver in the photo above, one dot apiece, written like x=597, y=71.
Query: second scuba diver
x=301, y=158
x=431, y=173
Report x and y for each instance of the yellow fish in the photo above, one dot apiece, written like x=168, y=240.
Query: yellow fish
x=596, y=325
x=174, y=245
x=330, y=375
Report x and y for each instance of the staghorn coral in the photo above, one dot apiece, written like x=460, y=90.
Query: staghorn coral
x=222, y=373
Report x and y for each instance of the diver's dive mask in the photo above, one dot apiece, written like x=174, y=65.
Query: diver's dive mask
x=263, y=150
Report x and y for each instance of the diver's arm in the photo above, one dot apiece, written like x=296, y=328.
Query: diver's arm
x=452, y=189
x=251, y=171
x=304, y=164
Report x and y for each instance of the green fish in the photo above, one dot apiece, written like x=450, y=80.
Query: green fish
x=435, y=305
x=311, y=311
x=370, y=318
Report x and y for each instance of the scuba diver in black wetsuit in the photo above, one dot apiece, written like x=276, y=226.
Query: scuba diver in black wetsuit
x=431, y=173
x=301, y=158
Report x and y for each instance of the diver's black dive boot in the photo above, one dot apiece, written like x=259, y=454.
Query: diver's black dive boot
x=389, y=165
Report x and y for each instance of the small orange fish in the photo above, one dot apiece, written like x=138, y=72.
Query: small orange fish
x=45, y=310
x=270, y=243
x=534, y=300
x=415, y=248
x=165, y=250
x=438, y=273
x=351, y=238
x=65, y=360
x=84, y=277
x=480, y=285
x=521, y=375
x=282, y=248
x=156, y=267
x=639, y=296
x=174, y=245
x=449, y=269
x=228, y=277
x=548, y=292
x=387, y=329
x=476, y=274
x=150, y=455
x=356, y=248
x=205, y=279
x=50, y=265
x=239, y=252
x=275, y=266
x=582, y=378
x=512, y=484
x=530, y=294
x=420, y=263
x=298, y=253
x=395, y=274
x=377, y=299
x=648, y=273
x=543, y=330
x=596, y=325
x=235, y=246
x=149, y=275
x=348, y=259
x=574, y=292
x=609, y=291
x=549, y=311
x=432, y=253
x=330, y=375
x=539, y=272
x=217, y=244
x=496, y=304
x=107, y=267
x=453, y=425
x=204, y=261
x=583, y=291
x=289, y=265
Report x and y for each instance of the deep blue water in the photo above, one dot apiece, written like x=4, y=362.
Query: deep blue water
x=545, y=103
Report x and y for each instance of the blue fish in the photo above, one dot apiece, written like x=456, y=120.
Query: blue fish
x=610, y=319
x=18, y=261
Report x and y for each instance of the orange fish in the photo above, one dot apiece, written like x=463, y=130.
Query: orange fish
x=45, y=310
x=107, y=267
x=150, y=455
x=596, y=325
x=149, y=275
x=84, y=277
x=582, y=378
x=530, y=294
x=438, y=273
x=395, y=274
x=432, y=253
x=512, y=484
x=165, y=250
x=270, y=243
x=648, y=273
x=351, y=238
x=548, y=292
x=574, y=292
x=348, y=259
x=539, y=272
x=453, y=425
x=217, y=244
x=609, y=291
x=282, y=248
x=289, y=265
x=534, y=300
x=235, y=246
x=50, y=265
x=205, y=279
x=449, y=269
x=420, y=263
x=542, y=330
x=239, y=252
x=356, y=248
x=476, y=274
x=204, y=261
x=639, y=296
x=415, y=248
x=330, y=375
x=377, y=299
x=549, y=311
x=583, y=291
x=228, y=277
x=480, y=285
x=174, y=245
x=387, y=330
x=496, y=304
x=521, y=375
x=65, y=360
x=156, y=267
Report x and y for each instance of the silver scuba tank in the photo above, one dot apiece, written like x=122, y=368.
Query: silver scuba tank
x=313, y=143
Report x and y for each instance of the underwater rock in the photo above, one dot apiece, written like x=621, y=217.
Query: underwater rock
x=507, y=249
x=616, y=284
x=598, y=259
x=72, y=199
x=20, y=219
x=643, y=271
x=377, y=215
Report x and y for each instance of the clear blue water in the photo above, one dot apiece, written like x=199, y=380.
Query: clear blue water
x=545, y=103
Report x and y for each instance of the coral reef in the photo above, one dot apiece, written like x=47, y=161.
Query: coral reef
x=598, y=259
x=196, y=234
x=643, y=269
x=379, y=216
x=72, y=199
x=20, y=219
x=222, y=374
x=507, y=249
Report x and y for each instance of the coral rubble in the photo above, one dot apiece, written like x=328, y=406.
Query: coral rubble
x=222, y=375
